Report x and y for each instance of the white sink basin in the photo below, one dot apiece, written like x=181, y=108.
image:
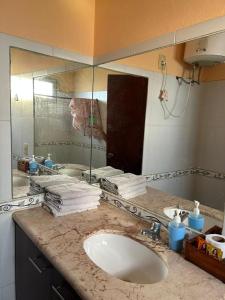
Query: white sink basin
x=124, y=258
x=209, y=221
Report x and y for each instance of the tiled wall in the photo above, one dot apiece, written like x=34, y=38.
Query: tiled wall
x=211, y=143
x=170, y=144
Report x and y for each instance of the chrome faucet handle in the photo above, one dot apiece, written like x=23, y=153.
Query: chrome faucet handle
x=153, y=232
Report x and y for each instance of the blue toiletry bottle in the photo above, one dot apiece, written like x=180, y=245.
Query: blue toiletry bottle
x=33, y=166
x=195, y=219
x=176, y=233
x=49, y=162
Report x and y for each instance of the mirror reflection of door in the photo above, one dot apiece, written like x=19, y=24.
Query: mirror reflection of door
x=126, y=105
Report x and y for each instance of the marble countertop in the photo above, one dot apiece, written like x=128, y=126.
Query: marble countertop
x=61, y=240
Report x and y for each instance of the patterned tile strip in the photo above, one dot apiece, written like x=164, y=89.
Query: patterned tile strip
x=30, y=201
x=191, y=171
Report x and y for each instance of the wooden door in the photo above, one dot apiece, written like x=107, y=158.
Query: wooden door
x=126, y=105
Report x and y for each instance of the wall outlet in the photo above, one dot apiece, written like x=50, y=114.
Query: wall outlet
x=162, y=62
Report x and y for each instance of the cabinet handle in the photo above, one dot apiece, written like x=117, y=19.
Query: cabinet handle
x=34, y=265
x=55, y=290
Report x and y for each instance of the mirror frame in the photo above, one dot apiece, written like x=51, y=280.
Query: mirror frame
x=206, y=28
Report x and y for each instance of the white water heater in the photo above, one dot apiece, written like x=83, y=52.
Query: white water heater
x=206, y=51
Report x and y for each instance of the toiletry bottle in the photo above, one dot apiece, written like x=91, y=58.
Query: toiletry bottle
x=176, y=233
x=195, y=219
x=33, y=166
x=49, y=162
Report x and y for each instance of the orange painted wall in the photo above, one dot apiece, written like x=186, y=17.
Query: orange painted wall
x=149, y=60
x=120, y=24
x=67, y=24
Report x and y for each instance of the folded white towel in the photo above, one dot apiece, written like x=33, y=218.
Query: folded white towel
x=71, y=201
x=98, y=173
x=48, y=180
x=132, y=188
x=133, y=194
x=57, y=213
x=126, y=180
x=74, y=190
x=73, y=207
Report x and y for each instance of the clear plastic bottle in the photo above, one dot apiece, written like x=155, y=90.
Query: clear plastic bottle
x=176, y=233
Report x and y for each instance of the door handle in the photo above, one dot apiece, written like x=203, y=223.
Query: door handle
x=110, y=155
x=34, y=264
x=55, y=290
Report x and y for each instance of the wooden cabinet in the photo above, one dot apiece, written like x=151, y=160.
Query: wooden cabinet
x=36, y=278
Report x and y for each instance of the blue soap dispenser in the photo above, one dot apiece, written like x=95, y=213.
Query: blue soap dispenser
x=176, y=233
x=49, y=162
x=195, y=219
x=33, y=166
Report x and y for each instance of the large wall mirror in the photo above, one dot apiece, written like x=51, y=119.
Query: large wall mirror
x=175, y=133
x=44, y=91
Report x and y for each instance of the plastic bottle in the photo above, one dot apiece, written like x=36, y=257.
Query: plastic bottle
x=195, y=219
x=33, y=166
x=49, y=162
x=176, y=233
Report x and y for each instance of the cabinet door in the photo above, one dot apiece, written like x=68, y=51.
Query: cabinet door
x=33, y=271
x=61, y=290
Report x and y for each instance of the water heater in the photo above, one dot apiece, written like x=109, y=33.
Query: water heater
x=206, y=51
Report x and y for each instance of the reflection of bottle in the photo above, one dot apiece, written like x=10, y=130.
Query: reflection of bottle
x=33, y=166
x=176, y=233
x=195, y=219
x=49, y=162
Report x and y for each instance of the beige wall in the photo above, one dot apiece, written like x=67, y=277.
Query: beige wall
x=67, y=24
x=120, y=24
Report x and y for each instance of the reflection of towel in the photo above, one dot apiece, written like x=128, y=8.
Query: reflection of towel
x=87, y=119
x=97, y=174
x=39, y=183
x=126, y=185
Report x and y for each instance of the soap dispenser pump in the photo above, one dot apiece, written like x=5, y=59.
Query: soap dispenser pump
x=195, y=219
x=33, y=166
x=176, y=233
x=49, y=162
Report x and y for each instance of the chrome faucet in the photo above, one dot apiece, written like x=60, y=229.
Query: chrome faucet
x=153, y=232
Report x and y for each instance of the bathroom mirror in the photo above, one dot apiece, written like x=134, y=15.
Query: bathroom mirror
x=42, y=117
x=184, y=124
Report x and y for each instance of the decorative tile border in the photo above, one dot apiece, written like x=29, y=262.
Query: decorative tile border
x=70, y=143
x=30, y=201
x=179, y=173
x=133, y=209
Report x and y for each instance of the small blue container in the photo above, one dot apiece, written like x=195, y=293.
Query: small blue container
x=176, y=235
x=196, y=222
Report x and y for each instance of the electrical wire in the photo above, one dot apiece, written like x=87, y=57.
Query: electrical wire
x=170, y=112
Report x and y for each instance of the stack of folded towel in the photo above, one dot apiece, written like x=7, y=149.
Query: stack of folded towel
x=69, y=198
x=97, y=174
x=126, y=185
x=39, y=183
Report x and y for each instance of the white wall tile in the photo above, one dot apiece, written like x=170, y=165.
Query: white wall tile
x=5, y=161
x=7, y=248
x=8, y=292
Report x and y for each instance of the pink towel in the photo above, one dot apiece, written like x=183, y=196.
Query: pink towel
x=83, y=119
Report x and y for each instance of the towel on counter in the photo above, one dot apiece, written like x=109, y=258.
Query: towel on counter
x=126, y=185
x=56, y=199
x=73, y=190
x=97, y=174
x=61, y=213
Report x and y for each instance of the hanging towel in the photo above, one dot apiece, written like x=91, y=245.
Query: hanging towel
x=86, y=117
